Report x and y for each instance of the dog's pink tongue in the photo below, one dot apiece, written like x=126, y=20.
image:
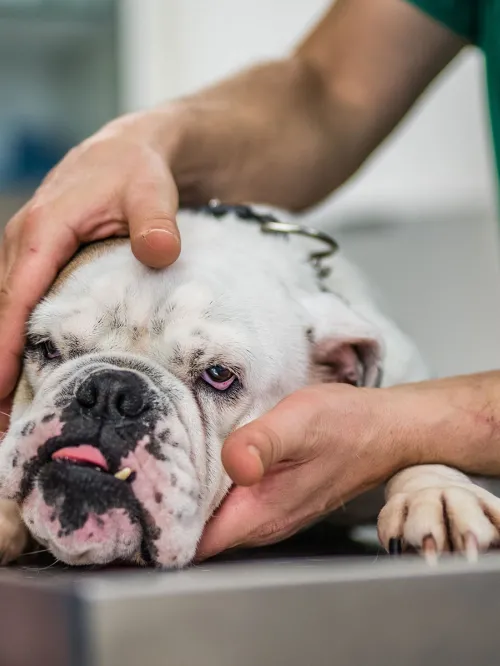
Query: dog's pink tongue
x=83, y=453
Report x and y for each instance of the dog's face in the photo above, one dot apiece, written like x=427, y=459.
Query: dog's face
x=134, y=377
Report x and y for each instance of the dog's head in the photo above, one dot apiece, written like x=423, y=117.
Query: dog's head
x=134, y=377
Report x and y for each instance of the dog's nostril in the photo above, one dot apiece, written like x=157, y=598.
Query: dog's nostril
x=129, y=404
x=87, y=393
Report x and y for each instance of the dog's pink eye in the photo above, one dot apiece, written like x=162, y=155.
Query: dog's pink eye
x=50, y=351
x=219, y=377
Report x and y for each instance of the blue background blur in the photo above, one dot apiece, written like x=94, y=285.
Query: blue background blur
x=58, y=81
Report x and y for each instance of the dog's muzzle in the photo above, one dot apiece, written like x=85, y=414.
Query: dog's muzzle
x=104, y=468
x=110, y=412
x=79, y=473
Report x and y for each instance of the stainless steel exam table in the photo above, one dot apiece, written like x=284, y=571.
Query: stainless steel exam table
x=307, y=612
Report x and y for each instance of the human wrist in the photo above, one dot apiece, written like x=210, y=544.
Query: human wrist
x=453, y=421
x=159, y=129
x=394, y=448
x=364, y=418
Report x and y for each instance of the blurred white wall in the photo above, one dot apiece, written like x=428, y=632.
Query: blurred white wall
x=439, y=158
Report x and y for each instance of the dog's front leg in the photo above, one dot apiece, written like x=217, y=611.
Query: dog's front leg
x=436, y=509
x=13, y=532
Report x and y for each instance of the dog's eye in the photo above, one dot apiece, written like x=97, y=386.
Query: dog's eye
x=219, y=377
x=50, y=351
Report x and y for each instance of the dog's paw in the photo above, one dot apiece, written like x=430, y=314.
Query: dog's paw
x=13, y=532
x=434, y=509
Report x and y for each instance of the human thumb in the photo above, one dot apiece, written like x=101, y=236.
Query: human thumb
x=281, y=435
x=151, y=209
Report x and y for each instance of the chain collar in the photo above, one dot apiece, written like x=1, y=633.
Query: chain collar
x=270, y=224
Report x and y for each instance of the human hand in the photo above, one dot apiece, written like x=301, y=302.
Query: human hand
x=316, y=450
x=116, y=183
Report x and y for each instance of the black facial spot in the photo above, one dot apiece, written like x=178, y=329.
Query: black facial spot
x=15, y=460
x=153, y=533
x=310, y=335
x=63, y=398
x=116, y=319
x=48, y=417
x=73, y=346
x=157, y=326
x=177, y=357
x=195, y=359
x=173, y=480
x=198, y=333
x=158, y=498
x=153, y=448
x=171, y=307
x=28, y=428
x=163, y=435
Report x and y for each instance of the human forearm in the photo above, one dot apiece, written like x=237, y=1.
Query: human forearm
x=290, y=132
x=269, y=134
x=453, y=421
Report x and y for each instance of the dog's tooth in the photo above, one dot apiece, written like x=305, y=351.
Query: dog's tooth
x=123, y=474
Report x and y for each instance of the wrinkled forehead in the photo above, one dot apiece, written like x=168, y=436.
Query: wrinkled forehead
x=107, y=294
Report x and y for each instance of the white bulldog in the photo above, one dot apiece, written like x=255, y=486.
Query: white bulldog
x=133, y=378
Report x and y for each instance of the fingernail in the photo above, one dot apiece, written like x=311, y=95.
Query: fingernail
x=165, y=232
x=254, y=451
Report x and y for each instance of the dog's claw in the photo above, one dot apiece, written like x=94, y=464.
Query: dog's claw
x=395, y=547
x=430, y=551
x=471, y=547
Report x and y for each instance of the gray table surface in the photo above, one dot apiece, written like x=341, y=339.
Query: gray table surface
x=314, y=611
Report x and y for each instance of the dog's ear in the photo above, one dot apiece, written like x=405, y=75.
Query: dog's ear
x=345, y=347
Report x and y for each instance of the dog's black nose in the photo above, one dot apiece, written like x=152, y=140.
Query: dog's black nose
x=113, y=393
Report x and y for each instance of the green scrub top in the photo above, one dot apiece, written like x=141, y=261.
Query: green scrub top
x=479, y=22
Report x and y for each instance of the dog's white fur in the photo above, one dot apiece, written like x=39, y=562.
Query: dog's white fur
x=249, y=301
